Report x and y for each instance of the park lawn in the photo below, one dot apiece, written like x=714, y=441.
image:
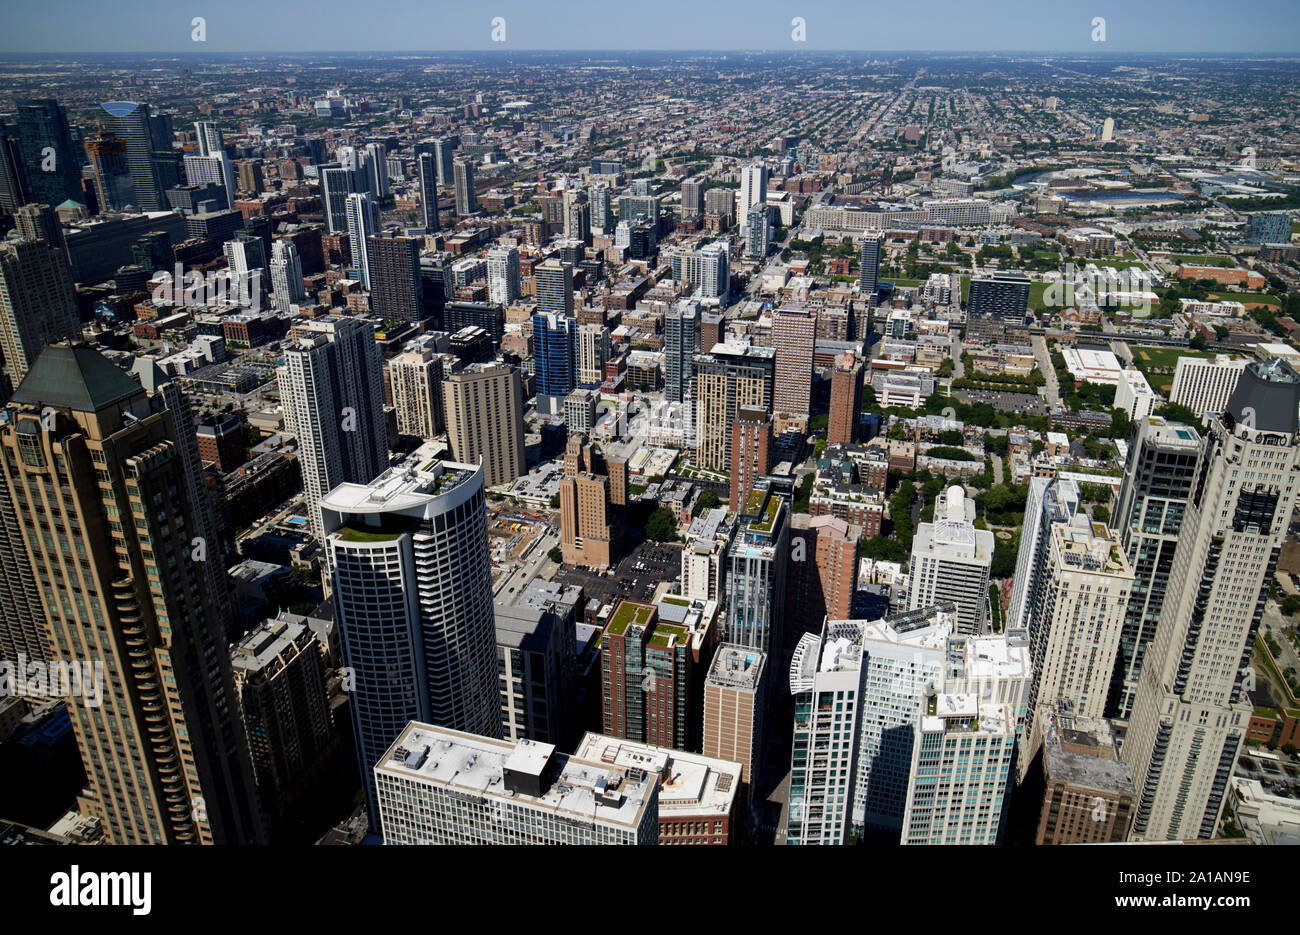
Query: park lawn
x=1208, y=259
x=1036, y=290
x=1118, y=263
x=1248, y=299
x=965, y=288
x=1158, y=364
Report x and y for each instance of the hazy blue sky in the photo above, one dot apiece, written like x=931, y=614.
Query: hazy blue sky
x=333, y=25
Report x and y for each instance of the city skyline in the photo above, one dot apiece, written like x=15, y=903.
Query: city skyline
x=950, y=25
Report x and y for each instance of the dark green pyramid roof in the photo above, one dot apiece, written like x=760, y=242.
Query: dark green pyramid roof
x=77, y=378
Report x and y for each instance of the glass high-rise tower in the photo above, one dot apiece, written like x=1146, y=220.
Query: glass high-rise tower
x=412, y=589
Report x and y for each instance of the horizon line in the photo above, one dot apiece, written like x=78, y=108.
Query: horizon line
x=741, y=50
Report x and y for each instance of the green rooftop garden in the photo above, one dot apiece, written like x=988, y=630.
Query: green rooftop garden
x=361, y=534
x=767, y=520
x=663, y=631
x=628, y=613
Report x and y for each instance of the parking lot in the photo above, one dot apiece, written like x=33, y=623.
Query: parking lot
x=1279, y=777
x=634, y=579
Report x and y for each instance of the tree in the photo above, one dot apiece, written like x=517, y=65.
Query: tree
x=897, y=432
x=1291, y=605
x=1177, y=412
x=1197, y=342
x=661, y=525
x=556, y=555
x=998, y=498
x=708, y=501
x=1120, y=423
x=555, y=501
x=1004, y=557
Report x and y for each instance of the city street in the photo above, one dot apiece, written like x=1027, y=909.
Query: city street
x=1052, y=391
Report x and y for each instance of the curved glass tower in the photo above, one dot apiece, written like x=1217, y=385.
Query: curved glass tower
x=412, y=592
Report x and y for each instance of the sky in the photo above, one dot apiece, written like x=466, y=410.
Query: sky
x=1262, y=26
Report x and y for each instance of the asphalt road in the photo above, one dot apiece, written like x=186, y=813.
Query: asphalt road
x=1052, y=391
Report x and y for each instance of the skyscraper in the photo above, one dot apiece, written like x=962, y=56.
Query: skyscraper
x=412, y=591
x=394, y=277
x=757, y=561
x=733, y=708
x=377, y=166
x=961, y=772
x=427, y=173
x=1003, y=295
x=14, y=190
x=39, y=222
x=554, y=287
x=648, y=681
x=38, y=304
x=751, y=451
x=589, y=530
x=1268, y=227
x=336, y=183
x=753, y=191
x=1075, y=625
x=208, y=138
x=846, y=400
x=332, y=390
x=466, y=198
x=715, y=272
x=826, y=680
x=1202, y=384
x=951, y=561
x=1191, y=709
x=823, y=570
x=1050, y=500
x=444, y=152
x=248, y=267
x=279, y=681
x=555, y=354
x=869, y=264
x=728, y=377
x=363, y=223
x=794, y=337
x=485, y=420
x=109, y=169
x=90, y=455
x=602, y=215
x=129, y=122
x=537, y=663
x=286, y=275
x=692, y=198
x=908, y=658
x=216, y=169
x=593, y=352
x=758, y=232
x=416, y=376
x=577, y=215
x=503, y=274
x=1149, y=515
x=681, y=329
x=53, y=168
